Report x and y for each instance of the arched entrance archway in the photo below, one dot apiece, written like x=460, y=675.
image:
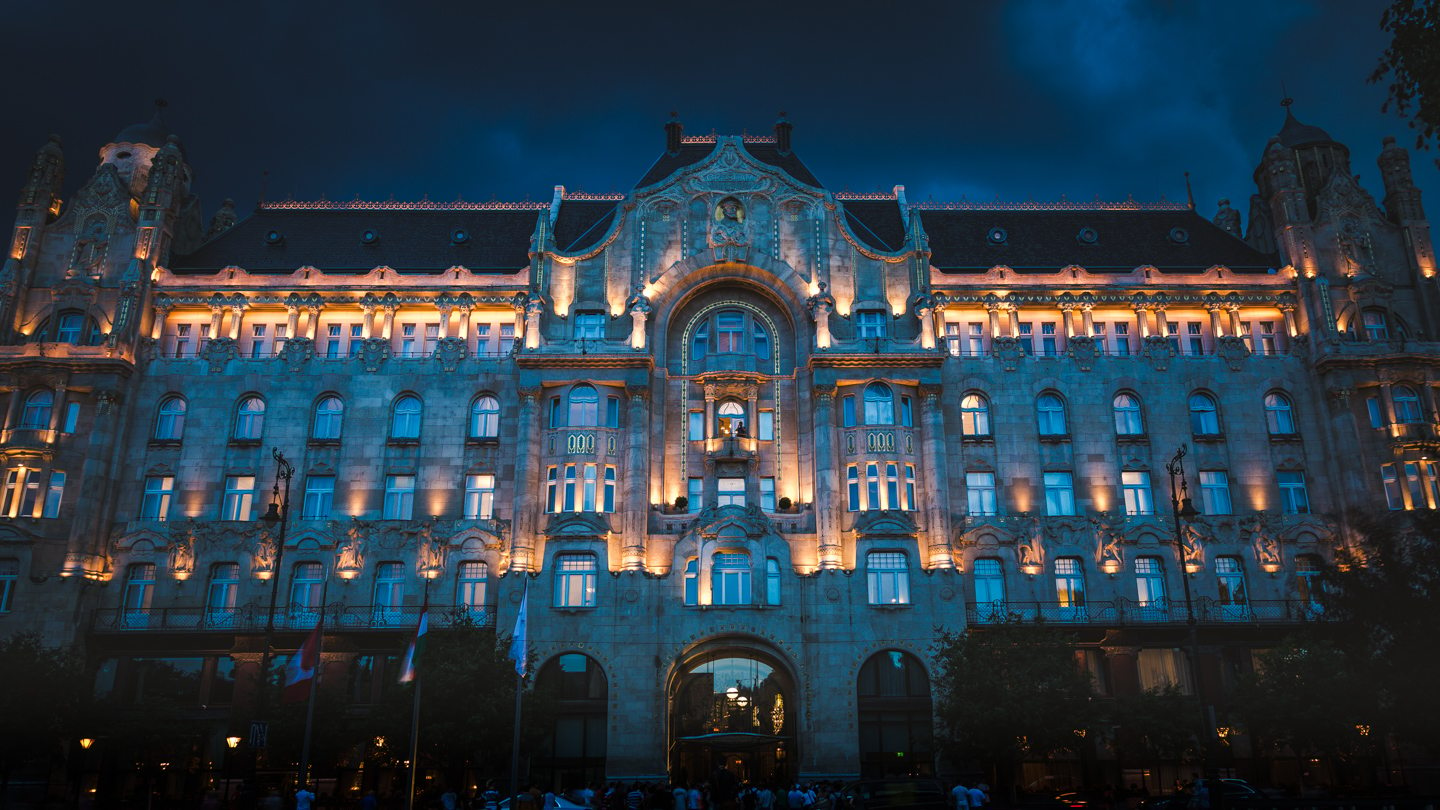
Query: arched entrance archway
x=732, y=718
x=573, y=751
x=897, y=727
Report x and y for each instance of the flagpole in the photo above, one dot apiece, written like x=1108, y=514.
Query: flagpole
x=314, y=687
x=415, y=707
x=517, y=651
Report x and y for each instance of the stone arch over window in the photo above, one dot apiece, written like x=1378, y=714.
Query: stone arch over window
x=70, y=326
x=249, y=418
x=879, y=404
x=1204, y=414
x=485, y=417
x=574, y=746
x=328, y=417
x=1129, y=418
x=1050, y=414
x=974, y=414
x=405, y=416
x=170, y=419
x=893, y=704
x=582, y=406
x=1408, y=410
x=1279, y=414
x=37, y=410
x=766, y=322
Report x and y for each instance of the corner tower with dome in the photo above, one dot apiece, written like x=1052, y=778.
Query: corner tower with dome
x=752, y=443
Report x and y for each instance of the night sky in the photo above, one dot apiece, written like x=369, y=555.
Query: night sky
x=1022, y=100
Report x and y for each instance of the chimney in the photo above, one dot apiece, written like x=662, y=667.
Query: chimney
x=674, y=130
x=782, y=134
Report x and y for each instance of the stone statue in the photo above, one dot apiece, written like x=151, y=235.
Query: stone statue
x=182, y=555
x=820, y=305
x=534, y=308
x=1353, y=246
x=349, y=556
x=728, y=231
x=639, y=307
x=1193, y=544
x=1228, y=219
x=265, y=553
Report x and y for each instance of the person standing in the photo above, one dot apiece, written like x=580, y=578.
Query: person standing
x=304, y=798
x=960, y=797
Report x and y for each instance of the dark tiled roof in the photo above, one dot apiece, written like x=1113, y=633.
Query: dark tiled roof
x=1295, y=134
x=692, y=153
x=582, y=223
x=413, y=241
x=877, y=223
x=1045, y=241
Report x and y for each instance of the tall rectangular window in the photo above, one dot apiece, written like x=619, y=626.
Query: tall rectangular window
x=569, y=490
x=607, y=501
x=695, y=494
x=887, y=578
x=1059, y=494
x=72, y=417
x=697, y=426
x=407, y=340
x=765, y=431
x=223, y=595
x=953, y=345
x=507, y=338
x=1135, y=486
x=980, y=493
x=472, y=580
x=54, y=495
x=550, y=490
x=155, y=504
x=239, y=500
x=730, y=579
x=767, y=494
x=334, y=340
x=1121, y=342
x=910, y=487
x=9, y=578
x=1027, y=338
x=389, y=597
x=257, y=340
x=592, y=481
x=1194, y=338
x=907, y=412
x=1214, y=492
x=432, y=338
x=1049, y=340
x=1294, y=500
x=11, y=500
x=1391, y=480
x=852, y=482
x=319, y=497
x=28, y=506
x=483, y=344
x=892, y=486
x=479, y=496
x=847, y=410
x=575, y=579
x=872, y=486
x=399, y=497
x=730, y=492
x=182, y=344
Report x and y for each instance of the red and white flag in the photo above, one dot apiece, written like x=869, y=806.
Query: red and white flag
x=300, y=670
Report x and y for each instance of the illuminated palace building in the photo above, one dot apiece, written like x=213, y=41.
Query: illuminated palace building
x=749, y=441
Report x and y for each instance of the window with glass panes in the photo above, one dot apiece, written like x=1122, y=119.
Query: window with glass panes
x=879, y=404
x=1149, y=582
x=319, y=497
x=479, y=496
x=989, y=583
x=580, y=488
x=307, y=582
x=1127, y=415
x=485, y=418
x=399, y=497
x=1294, y=500
x=139, y=591
x=772, y=581
x=575, y=578
x=9, y=581
x=405, y=420
x=1214, y=492
x=730, y=492
x=1069, y=582
x=887, y=578
x=250, y=418
x=1230, y=581
x=980, y=493
x=54, y=494
x=1059, y=493
x=1050, y=413
x=389, y=596
x=155, y=503
x=1135, y=491
x=730, y=579
x=692, y=581
x=329, y=412
x=238, y=503
x=472, y=579
x=1279, y=416
x=870, y=323
x=170, y=422
x=974, y=415
x=767, y=494
x=223, y=593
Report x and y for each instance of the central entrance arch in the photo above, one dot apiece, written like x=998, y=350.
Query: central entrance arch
x=732, y=716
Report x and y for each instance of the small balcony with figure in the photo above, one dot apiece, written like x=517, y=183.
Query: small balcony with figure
x=726, y=431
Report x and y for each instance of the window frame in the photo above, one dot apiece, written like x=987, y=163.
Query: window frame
x=576, y=577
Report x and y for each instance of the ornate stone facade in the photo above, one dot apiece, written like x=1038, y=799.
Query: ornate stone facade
x=729, y=424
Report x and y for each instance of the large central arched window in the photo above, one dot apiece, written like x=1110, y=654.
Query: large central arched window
x=584, y=406
x=879, y=404
x=730, y=331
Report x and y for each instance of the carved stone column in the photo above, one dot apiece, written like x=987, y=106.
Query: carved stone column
x=217, y=316
x=237, y=314
x=12, y=413
x=1067, y=314
x=1087, y=317
x=1142, y=320
x=637, y=480
x=445, y=310
x=312, y=321
x=827, y=481
x=709, y=412
x=1217, y=329
x=1233, y=310
x=937, y=487
x=1013, y=311
x=464, y=332
x=927, y=327
x=57, y=411
x=162, y=314
x=993, y=310
x=387, y=324
x=367, y=330
x=1287, y=311
x=527, y=492
x=1161, y=325
x=292, y=322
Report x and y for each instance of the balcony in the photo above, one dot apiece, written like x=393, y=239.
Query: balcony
x=40, y=440
x=1130, y=613
x=251, y=619
x=1413, y=436
x=732, y=448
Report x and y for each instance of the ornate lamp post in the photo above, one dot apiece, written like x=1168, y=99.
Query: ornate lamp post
x=1182, y=509
x=276, y=518
x=231, y=743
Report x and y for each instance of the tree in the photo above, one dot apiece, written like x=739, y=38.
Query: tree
x=40, y=703
x=1385, y=591
x=1304, y=696
x=1412, y=63
x=1152, y=724
x=1008, y=692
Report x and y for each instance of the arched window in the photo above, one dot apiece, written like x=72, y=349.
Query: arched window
x=894, y=708
x=1128, y=421
x=887, y=577
x=170, y=421
x=574, y=738
x=879, y=404
x=405, y=418
x=1279, y=416
x=70, y=328
x=1407, y=405
x=1050, y=411
x=761, y=340
x=730, y=578
x=250, y=418
x=1150, y=586
x=1070, y=589
x=36, y=414
x=989, y=590
x=485, y=418
x=575, y=579
x=974, y=415
x=1204, y=416
x=329, y=412
x=472, y=581
x=1375, y=324
x=730, y=419
x=584, y=405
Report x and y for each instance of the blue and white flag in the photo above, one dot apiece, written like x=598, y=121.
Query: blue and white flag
x=517, y=639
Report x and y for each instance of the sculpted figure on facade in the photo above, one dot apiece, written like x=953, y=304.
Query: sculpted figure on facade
x=534, y=308
x=820, y=305
x=639, y=307
x=349, y=556
x=182, y=554
x=1228, y=219
x=728, y=234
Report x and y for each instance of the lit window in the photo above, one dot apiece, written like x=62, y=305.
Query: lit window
x=1127, y=415
x=155, y=504
x=730, y=492
x=170, y=422
x=1204, y=417
x=1279, y=416
x=730, y=419
x=485, y=418
x=1214, y=492
x=1050, y=410
x=1293, y=498
x=1135, y=486
x=329, y=414
x=887, y=577
x=1059, y=494
x=399, y=497
x=250, y=419
x=1149, y=582
x=1230, y=584
x=1308, y=584
x=479, y=497
x=472, y=581
x=239, y=497
x=879, y=404
x=974, y=415
x=575, y=579
x=730, y=579
x=1070, y=587
x=584, y=406
x=980, y=493
x=319, y=497
x=405, y=421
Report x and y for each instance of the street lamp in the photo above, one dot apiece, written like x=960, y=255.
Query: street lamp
x=277, y=518
x=231, y=743
x=1183, y=509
